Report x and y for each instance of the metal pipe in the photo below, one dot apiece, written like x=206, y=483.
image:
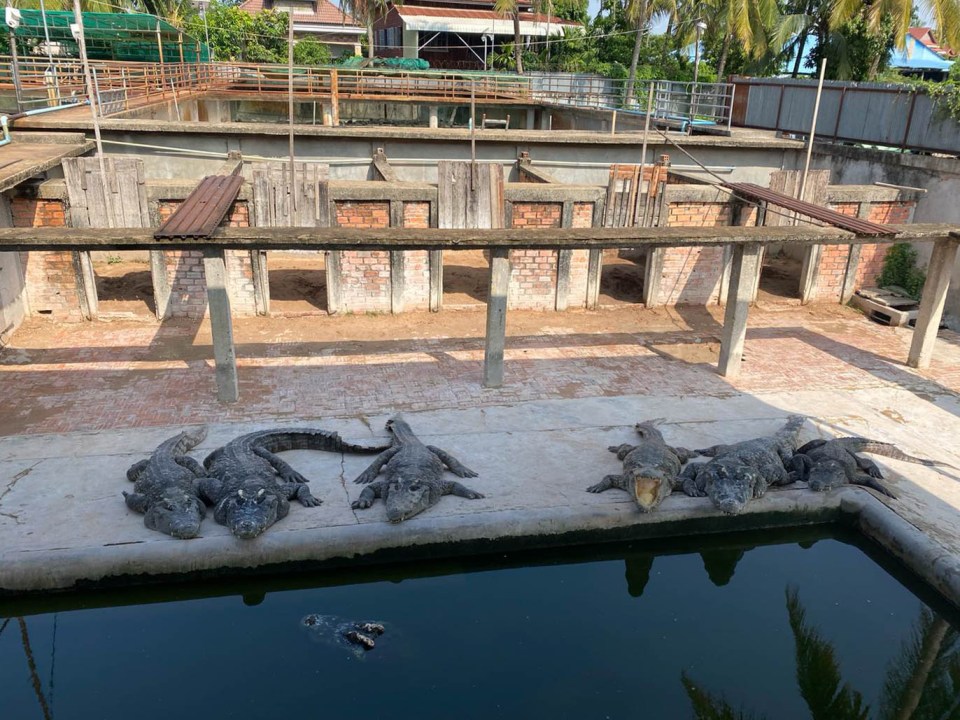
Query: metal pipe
x=6, y=131
x=46, y=35
x=82, y=42
x=293, y=169
x=901, y=187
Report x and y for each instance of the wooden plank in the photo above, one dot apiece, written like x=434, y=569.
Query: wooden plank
x=744, y=267
x=932, y=301
x=382, y=166
x=441, y=238
x=496, y=318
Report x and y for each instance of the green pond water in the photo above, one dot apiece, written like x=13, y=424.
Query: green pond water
x=803, y=625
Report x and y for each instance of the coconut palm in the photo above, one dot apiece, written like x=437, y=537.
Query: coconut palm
x=368, y=12
x=512, y=8
x=825, y=20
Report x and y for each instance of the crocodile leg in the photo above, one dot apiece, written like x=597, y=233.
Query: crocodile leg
x=371, y=472
x=300, y=491
x=621, y=451
x=185, y=461
x=689, y=481
x=870, y=482
x=456, y=467
x=370, y=493
x=800, y=468
x=286, y=473
x=136, y=469
x=683, y=455
x=610, y=481
x=136, y=502
x=869, y=467
x=210, y=490
x=451, y=487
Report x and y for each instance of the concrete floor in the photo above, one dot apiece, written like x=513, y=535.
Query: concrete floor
x=83, y=402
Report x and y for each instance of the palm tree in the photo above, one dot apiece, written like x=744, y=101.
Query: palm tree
x=368, y=12
x=825, y=19
x=512, y=8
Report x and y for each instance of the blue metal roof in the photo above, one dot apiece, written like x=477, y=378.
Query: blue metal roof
x=917, y=56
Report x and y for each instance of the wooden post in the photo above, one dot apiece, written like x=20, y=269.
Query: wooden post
x=932, y=301
x=334, y=98
x=595, y=260
x=744, y=267
x=221, y=325
x=496, y=318
x=436, y=265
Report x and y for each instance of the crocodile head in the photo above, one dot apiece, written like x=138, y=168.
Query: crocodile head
x=406, y=496
x=177, y=514
x=649, y=486
x=248, y=511
x=730, y=488
x=826, y=474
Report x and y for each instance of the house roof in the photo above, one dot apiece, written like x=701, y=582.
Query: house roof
x=917, y=56
x=324, y=12
x=474, y=22
x=925, y=35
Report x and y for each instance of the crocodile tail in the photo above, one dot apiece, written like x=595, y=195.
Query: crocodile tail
x=792, y=428
x=884, y=449
x=185, y=441
x=309, y=439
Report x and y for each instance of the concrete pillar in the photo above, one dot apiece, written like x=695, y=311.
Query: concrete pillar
x=531, y=119
x=397, y=264
x=546, y=121
x=434, y=116
x=86, y=284
x=496, y=318
x=161, y=284
x=411, y=43
x=327, y=115
x=221, y=325
x=744, y=267
x=932, y=301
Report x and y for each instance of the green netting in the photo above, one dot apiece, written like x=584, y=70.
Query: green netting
x=111, y=36
x=402, y=63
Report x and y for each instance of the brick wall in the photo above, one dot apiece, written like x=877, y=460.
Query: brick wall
x=533, y=273
x=185, y=273
x=364, y=274
x=50, y=277
x=580, y=259
x=416, y=263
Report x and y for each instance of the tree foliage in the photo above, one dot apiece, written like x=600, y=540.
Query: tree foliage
x=310, y=51
x=241, y=36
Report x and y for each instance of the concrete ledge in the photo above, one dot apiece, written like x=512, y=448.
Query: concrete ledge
x=63, y=523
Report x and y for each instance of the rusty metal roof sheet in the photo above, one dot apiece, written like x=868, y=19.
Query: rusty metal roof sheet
x=203, y=210
x=749, y=191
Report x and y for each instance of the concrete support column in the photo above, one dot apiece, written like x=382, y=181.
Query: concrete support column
x=564, y=258
x=496, y=318
x=221, y=325
x=397, y=261
x=744, y=268
x=411, y=43
x=531, y=119
x=652, y=275
x=434, y=116
x=546, y=120
x=932, y=301
x=327, y=115
x=161, y=283
x=86, y=284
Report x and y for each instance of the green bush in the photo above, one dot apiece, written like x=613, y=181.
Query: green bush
x=900, y=268
x=311, y=52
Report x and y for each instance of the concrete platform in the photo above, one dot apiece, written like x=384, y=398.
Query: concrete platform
x=63, y=522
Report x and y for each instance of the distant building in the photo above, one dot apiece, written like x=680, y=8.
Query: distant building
x=457, y=34
x=925, y=35
x=319, y=19
x=921, y=56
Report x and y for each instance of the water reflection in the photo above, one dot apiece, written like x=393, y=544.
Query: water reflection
x=922, y=681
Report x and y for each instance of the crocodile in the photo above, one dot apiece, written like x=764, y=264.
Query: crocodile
x=826, y=464
x=736, y=473
x=359, y=637
x=413, y=478
x=251, y=488
x=650, y=468
x=166, y=487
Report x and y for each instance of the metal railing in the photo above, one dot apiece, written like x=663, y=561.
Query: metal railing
x=120, y=86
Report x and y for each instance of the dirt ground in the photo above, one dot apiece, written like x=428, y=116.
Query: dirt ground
x=779, y=279
x=298, y=283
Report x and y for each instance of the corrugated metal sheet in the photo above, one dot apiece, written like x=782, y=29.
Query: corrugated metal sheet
x=749, y=191
x=870, y=113
x=203, y=210
x=478, y=22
